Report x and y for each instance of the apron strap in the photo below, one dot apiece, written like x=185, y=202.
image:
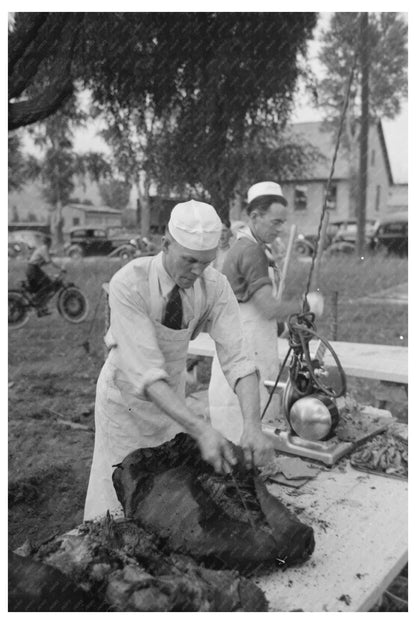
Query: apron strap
x=153, y=289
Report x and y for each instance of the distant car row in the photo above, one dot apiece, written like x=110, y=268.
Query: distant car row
x=113, y=242
x=388, y=235
x=107, y=242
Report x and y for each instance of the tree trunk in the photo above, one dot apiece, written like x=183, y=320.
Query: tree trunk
x=57, y=224
x=352, y=151
x=144, y=198
x=238, y=206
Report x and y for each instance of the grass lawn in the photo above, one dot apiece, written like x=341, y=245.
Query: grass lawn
x=52, y=378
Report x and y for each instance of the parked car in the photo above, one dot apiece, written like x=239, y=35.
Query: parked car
x=391, y=234
x=98, y=242
x=17, y=250
x=305, y=244
x=21, y=243
x=88, y=242
x=345, y=236
x=340, y=237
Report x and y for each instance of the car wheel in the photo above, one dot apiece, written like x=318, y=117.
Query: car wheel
x=75, y=252
x=303, y=249
x=73, y=305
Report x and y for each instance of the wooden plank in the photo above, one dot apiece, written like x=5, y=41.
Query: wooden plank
x=360, y=524
x=371, y=361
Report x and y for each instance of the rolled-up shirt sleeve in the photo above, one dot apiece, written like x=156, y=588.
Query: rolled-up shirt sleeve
x=132, y=336
x=225, y=327
x=254, y=267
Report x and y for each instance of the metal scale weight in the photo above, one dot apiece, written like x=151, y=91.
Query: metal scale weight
x=309, y=402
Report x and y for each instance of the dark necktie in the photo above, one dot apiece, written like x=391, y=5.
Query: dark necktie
x=173, y=312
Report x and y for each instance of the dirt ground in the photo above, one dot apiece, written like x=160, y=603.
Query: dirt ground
x=53, y=368
x=49, y=461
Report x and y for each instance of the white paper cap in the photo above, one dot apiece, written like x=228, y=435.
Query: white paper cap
x=265, y=188
x=195, y=225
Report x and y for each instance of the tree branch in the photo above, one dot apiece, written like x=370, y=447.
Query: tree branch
x=37, y=108
x=18, y=45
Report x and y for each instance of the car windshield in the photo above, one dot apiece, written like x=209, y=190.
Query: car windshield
x=79, y=233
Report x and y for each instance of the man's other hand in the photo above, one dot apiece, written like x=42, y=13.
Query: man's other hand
x=257, y=448
x=216, y=450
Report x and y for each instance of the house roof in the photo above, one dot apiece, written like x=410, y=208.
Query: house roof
x=324, y=140
x=96, y=209
x=385, y=152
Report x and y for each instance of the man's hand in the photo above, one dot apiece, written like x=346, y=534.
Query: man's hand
x=257, y=448
x=216, y=450
x=315, y=303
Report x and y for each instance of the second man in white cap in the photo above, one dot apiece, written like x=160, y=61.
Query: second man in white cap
x=158, y=304
x=251, y=271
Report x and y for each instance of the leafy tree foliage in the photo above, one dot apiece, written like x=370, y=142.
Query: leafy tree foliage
x=241, y=68
x=115, y=193
x=16, y=163
x=136, y=139
x=59, y=164
x=211, y=73
x=387, y=61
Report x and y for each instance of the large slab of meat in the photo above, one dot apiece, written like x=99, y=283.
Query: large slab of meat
x=225, y=522
x=115, y=565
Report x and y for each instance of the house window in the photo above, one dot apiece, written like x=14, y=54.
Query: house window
x=377, y=206
x=75, y=220
x=301, y=197
x=331, y=202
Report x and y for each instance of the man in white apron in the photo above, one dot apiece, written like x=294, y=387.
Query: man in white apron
x=252, y=274
x=158, y=303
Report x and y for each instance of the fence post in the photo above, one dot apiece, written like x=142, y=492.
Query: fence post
x=333, y=303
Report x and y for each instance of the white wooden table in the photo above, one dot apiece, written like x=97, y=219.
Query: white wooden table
x=360, y=524
x=371, y=361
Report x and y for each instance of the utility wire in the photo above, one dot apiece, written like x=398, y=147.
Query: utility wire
x=328, y=184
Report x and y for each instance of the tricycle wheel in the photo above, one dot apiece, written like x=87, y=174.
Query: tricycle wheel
x=72, y=304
